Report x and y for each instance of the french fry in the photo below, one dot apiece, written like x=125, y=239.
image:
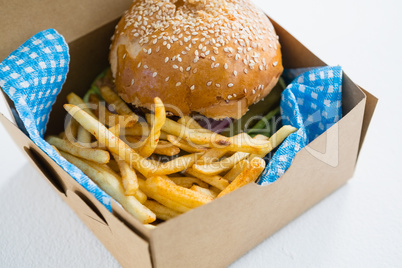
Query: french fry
x=128, y=176
x=281, y=135
x=211, y=155
x=157, y=121
x=166, y=148
x=119, y=105
x=104, y=168
x=71, y=130
x=114, y=188
x=103, y=135
x=150, y=226
x=94, y=155
x=205, y=191
x=176, y=165
x=108, y=118
x=163, y=136
x=140, y=196
x=162, y=212
x=187, y=182
x=216, y=168
x=163, y=147
x=189, y=122
x=176, y=193
x=248, y=175
x=237, y=169
x=84, y=137
x=62, y=135
x=215, y=140
x=139, y=129
x=215, y=180
x=74, y=99
x=161, y=199
x=215, y=190
x=185, y=146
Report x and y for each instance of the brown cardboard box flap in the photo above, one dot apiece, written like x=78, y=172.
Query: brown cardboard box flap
x=371, y=104
x=72, y=18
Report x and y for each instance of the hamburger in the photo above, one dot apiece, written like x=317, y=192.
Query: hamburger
x=212, y=58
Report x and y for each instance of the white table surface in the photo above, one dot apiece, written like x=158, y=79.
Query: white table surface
x=360, y=225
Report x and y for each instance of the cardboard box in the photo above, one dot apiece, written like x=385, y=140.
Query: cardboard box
x=213, y=235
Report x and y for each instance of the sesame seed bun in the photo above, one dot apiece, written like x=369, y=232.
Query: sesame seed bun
x=213, y=57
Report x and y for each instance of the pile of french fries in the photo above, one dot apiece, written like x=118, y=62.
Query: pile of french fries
x=157, y=168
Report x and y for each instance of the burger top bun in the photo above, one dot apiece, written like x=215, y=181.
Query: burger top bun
x=214, y=57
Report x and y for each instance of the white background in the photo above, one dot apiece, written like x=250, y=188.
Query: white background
x=359, y=225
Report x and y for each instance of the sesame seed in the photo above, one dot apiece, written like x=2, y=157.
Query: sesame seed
x=166, y=59
x=124, y=56
x=132, y=82
x=139, y=65
x=145, y=66
x=212, y=65
x=235, y=73
x=154, y=74
x=245, y=71
x=229, y=97
x=245, y=90
x=234, y=95
x=253, y=91
x=261, y=68
x=167, y=78
x=181, y=69
x=168, y=46
x=175, y=66
x=230, y=85
x=226, y=66
x=178, y=84
x=209, y=83
x=275, y=63
x=218, y=85
x=192, y=87
x=188, y=68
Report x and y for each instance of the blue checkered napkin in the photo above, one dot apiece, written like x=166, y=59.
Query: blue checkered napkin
x=312, y=103
x=32, y=76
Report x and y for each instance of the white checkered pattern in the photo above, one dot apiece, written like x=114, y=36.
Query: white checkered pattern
x=312, y=103
x=28, y=77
